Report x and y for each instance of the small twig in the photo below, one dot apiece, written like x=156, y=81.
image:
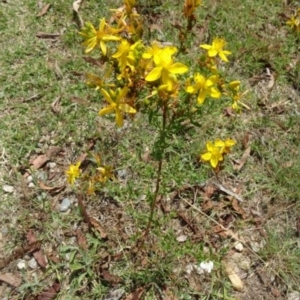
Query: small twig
x=227, y=191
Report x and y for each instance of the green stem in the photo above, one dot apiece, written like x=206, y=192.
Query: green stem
x=159, y=169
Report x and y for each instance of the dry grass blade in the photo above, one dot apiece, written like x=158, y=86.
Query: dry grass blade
x=44, y=10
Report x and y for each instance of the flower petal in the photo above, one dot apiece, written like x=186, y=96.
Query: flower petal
x=107, y=96
x=127, y=108
x=154, y=74
x=178, y=68
x=206, y=156
x=107, y=110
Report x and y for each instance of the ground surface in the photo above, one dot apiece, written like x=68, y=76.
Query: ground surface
x=91, y=250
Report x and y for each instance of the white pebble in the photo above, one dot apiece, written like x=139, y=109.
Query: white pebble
x=21, y=264
x=65, y=204
x=8, y=188
x=29, y=179
x=31, y=185
x=51, y=165
x=32, y=264
x=239, y=246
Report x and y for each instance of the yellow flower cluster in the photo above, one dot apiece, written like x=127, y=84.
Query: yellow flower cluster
x=216, y=151
x=131, y=68
x=294, y=21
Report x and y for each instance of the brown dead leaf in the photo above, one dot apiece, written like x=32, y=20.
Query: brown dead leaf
x=189, y=222
x=96, y=224
x=228, y=112
x=220, y=230
x=44, y=10
x=207, y=205
x=236, y=206
x=110, y=278
x=55, y=105
x=81, y=239
x=243, y=160
x=50, y=293
x=43, y=158
x=38, y=255
x=79, y=100
x=136, y=295
x=45, y=35
x=76, y=6
x=11, y=279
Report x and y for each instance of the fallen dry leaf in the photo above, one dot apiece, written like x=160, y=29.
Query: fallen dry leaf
x=51, y=292
x=136, y=295
x=96, y=224
x=79, y=100
x=37, y=254
x=243, y=160
x=11, y=279
x=110, y=278
x=44, y=10
x=81, y=239
x=236, y=281
x=236, y=206
x=55, y=105
x=76, y=6
x=43, y=158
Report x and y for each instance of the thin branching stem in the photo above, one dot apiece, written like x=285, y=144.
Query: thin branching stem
x=159, y=170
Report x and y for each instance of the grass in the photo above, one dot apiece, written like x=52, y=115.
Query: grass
x=37, y=71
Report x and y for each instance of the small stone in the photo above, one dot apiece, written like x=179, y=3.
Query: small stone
x=238, y=246
x=32, y=264
x=8, y=188
x=21, y=264
x=293, y=296
x=31, y=185
x=51, y=165
x=65, y=204
x=29, y=179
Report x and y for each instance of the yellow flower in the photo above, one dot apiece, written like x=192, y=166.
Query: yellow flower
x=224, y=146
x=105, y=173
x=117, y=104
x=216, y=151
x=73, y=172
x=217, y=49
x=97, y=37
x=165, y=68
x=204, y=87
x=213, y=154
x=128, y=54
x=294, y=22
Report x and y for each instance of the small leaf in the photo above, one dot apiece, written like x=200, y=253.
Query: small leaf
x=44, y=10
x=11, y=279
